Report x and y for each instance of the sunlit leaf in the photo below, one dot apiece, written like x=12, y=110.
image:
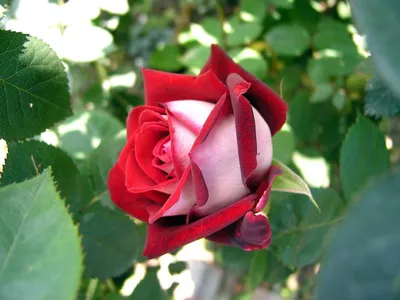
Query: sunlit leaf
x=40, y=255
x=290, y=182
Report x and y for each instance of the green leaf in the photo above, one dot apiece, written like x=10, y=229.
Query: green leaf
x=339, y=99
x=103, y=159
x=83, y=132
x=322, y=93
x=380, y=22
x=250, y=60
x=289, y=39
x=196, y=57
x=363, y=260
x=276, y=271
x=301, y=232
x=257, y=269
x=380, y=101
x=27, y=159
x=40, y=256
x=363, y=156
x=242, y=33
x=166, y=58
x=290, y=182
x=149, y=287
x=281, y=3
x=110, y=241
x=33, y=86
x=253, y=9
x=208, y=32
x=234, y=258
x=284, y=145
x=177, y=267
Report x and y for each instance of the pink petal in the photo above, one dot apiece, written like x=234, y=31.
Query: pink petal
x=182, y=139
x=217, y=158
x=191, y=113
x=180, y=201
x=271, y=107
x=163, y=239
x=161, y=87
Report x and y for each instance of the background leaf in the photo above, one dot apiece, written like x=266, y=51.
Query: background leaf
x=105, y=233
x=363, y=261
x=27, y=159
x=301, y=232
x=39, y=245
x=33, y=81
x=380, y=22
x=288, y=39
x=363, y=157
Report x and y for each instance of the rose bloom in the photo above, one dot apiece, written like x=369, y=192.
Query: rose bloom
x=197, y=162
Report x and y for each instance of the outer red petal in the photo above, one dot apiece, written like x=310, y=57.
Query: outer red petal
x=263, y=98
x=136, y=205
x=162, y=87
x=245, y=126
x=164, y=239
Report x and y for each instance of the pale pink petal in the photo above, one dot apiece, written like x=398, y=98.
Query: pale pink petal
x=191, y=113
x=182, y=140
x=218, y=160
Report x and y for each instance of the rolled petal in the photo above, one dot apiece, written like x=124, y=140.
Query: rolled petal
x=271, y=107
x=164, y=239
x=136, y=205
x=161, y=87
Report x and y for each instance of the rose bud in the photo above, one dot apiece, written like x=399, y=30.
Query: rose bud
x=197, y=162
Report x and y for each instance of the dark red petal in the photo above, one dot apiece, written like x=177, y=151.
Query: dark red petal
x=245, y=126
x=132, y=122
x=162, y=87
x=164, y=239
x=252, y=232
x=263, y=98
x=136, y=205
x=265, y=187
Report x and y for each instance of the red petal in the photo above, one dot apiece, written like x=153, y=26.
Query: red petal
x=265, y=187
x=245, y=125
x=137, y=181
x=164, y=239
x=263, y=98
x=132, y=122
x=136, y=205
x=162, y=87
x=145, y=141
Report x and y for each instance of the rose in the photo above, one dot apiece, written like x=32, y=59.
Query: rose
x=197, y=162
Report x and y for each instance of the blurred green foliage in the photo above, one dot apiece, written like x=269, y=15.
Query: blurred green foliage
x=309, y=52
